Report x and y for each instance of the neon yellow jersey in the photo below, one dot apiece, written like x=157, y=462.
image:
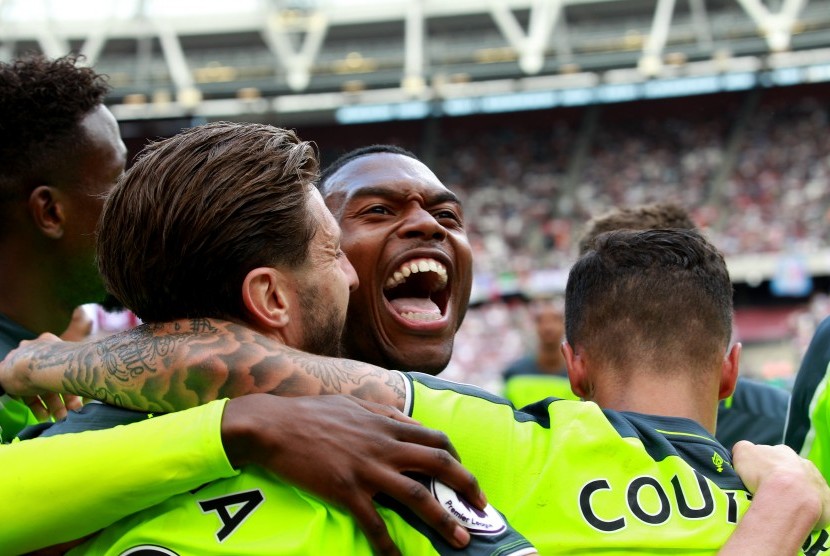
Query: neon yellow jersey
x=65, y=487
x=525, y=389
x=256, y=514
x=576, y=479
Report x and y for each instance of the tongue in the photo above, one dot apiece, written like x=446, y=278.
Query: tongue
x=415, y=305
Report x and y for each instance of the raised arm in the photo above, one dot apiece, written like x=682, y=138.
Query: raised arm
x=181, y=364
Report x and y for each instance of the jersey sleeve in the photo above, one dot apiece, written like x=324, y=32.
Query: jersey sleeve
x=65, y=487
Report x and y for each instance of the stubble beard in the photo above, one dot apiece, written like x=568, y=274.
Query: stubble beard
x=322, y=324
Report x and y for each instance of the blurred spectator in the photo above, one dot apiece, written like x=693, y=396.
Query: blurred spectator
x=542, y=373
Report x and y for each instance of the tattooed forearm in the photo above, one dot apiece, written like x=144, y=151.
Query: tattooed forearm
x=169, y=366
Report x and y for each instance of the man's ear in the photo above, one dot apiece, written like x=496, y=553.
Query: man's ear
x=264, y=295
x=577, y=372
x=48, y=211
x=729, y=371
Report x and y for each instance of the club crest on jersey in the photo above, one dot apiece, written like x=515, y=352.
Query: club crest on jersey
x=718, y=461
x=478, y=522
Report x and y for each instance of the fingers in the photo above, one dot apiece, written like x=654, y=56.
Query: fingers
x=427, y=437
x=385, y=410
x=38, y=408
x=54, y=405
x=420, y=457
x=742, y=450
x=79, y=327
x=72, y=402
x=431, y=453
x=49, y=405
x=372, y=525
x=414, y=494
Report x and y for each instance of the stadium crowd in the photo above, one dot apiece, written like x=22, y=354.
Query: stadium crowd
x=755, y=184
x=527, y=211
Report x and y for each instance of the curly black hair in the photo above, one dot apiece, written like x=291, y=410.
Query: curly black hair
x=42, y=102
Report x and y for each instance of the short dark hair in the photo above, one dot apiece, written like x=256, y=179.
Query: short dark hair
x=662, y=294
x=642, y=217
x=345, y=158
x=198, y=211
x=42, y=103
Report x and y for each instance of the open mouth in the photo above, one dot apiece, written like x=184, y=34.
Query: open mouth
x=417, y=290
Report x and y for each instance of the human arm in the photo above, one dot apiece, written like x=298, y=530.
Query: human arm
x=382, y=446
x=790, y=499
x=17, y=414
x=149, y=368
x=85, y=481
x=177, y=365
x=65, y=487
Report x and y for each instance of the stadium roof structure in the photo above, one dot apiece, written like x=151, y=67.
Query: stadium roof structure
x=362, y=60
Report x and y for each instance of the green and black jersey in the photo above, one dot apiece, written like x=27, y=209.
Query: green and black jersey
x=576, y=479
x=255, y=514
x=808, y=422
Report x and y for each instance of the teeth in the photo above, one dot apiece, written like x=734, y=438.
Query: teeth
x=421, y=316
x=413, y=267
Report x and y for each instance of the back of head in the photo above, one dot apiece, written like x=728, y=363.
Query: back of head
x=642, y=217
x=654, y=299
x=198, y=211
x=42, y=103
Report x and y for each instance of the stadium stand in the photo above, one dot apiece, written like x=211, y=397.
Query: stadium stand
x=539, y=114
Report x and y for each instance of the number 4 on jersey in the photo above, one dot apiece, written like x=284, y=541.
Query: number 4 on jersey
x=232, y=509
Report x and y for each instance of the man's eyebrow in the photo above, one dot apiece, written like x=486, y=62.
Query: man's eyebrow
x=445, y=196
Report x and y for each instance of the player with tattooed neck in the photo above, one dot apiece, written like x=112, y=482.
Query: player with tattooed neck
x=418, y=215
x=244, y=235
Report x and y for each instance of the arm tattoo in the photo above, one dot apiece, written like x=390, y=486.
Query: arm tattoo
x=170, y=366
